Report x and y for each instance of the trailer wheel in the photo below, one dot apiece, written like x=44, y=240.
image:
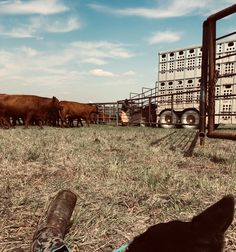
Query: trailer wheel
x=190, y=119
x=165, y=119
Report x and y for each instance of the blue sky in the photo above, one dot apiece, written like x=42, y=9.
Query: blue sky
x=99, y=51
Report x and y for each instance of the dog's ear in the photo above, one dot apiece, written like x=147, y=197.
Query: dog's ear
x=217, y=217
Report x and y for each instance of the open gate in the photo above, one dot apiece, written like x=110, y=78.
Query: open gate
x=211, y=73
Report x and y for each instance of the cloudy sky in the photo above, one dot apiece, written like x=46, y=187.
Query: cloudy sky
x=95, y=50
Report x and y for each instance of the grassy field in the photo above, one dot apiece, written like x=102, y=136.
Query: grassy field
x=126, y=179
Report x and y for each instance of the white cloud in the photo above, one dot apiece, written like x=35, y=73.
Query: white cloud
x=63, y=64
x=99, y=52
x=47, y=7
x=17, y=33
x=29, y=71
x=164, y=37
x=21, y=31
x=95, y=61
x=129, y=73
x=39, y=25
x=42, y=24
x=168, y=9
x=64, y=26
x=30, y=52
x=101, y=73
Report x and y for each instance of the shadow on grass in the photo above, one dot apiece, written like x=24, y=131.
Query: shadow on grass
x=218, y=160
x=158, y=141
x=184, y=141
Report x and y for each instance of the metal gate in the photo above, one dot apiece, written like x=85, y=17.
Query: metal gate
x=210, y=76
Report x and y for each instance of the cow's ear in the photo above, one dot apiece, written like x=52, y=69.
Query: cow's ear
x=54, y=98
x=217, y=217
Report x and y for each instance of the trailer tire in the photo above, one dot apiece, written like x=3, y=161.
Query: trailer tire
x=190, y=117
x=165, y=119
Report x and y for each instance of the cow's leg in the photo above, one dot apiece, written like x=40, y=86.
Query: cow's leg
x=14, y=121
x=87, y=119
x=40, y=123
x=1, y=123
x=7, y=122
x=28, y=119
x=79, y=121
x=64, y=122
x=71, y=122
x=4, y=123
x=62, y=118
x=67, y=122
x=19, y=121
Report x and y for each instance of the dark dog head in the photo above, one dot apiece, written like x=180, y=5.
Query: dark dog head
x=205, y=233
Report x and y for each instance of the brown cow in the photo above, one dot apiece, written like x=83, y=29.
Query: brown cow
x=4, y=119
x=27, y=107
x=76, y=110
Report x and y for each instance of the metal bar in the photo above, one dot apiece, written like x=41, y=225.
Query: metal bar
x=147, y=89
x=149, y=112
x=227, y=35
x=157, y=96
x=222, y=135
x=173, y=123
x=223, y=13
x=178, y=124
x=135, y=95
x=203, y=88
x=226, y=75
x=226, y=96
x=103, y=103
x=226, y=56
x=172, y=108
x=117, y=116
x=212, y=75
x=226, y=114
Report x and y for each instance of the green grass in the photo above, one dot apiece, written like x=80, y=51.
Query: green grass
x=126, y=179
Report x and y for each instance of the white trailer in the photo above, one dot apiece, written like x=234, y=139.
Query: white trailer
x=179, y=74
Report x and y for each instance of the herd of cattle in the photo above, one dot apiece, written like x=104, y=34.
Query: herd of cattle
x=36, y=110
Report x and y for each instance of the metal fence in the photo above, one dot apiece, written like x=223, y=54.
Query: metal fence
x=210, y=75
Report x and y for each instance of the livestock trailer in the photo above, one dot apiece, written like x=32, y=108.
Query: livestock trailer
x=178, y=86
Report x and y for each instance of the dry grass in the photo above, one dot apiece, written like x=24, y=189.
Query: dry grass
x=126, y=179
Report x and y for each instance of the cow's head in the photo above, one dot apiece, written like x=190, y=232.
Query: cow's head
x=95, y=109
x=205, y=233
x=55, y=99
x=55, y=102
